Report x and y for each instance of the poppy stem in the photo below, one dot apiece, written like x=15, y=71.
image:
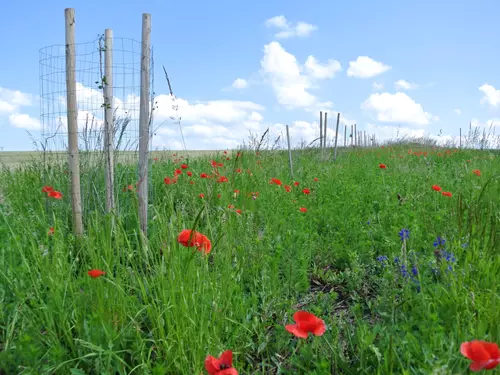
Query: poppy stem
x=297, y=346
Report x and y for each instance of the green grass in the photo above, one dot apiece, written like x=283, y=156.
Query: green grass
x=162, y=308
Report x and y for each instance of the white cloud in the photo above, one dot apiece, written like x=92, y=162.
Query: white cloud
x=401, y=84
x=397, y=107
x=206, y=125
x=6, y=107
x=24, y=121
x=491, y=95
x=366, y=67
x=287, y=30
x=458, y=111
x=395, y=133
x=486, y=124
x=377, y=86
x=222, y=111
x=291, y=81
x=284, y=74
x=15, y=98
x=322, y=71
x=256, y=116
x=240, y=83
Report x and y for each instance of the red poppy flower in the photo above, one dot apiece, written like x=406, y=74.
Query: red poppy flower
x=95, y=273
x=51, y=231
x=169, y=180
x=203, y=175
x=236, y=191
x=382, y=166
x=303, y=209
x=305, y=323
x=238, y=170
x=177, y=172
x=47, y=189
x=288, y=188
x=447, y=193
x=484, y=355
x=230, y=206
x=201, y=195
x=436, y=187
x=222, y=365
x=222, y=179
x=306, y=191
x=316, y=179
x=200, y=241
x=238, y=211
x=296, y=183
x=184, y=166
x=191, y=182
x=54, y=194
x=190, y=173
x=275, y=181
x=477, y=172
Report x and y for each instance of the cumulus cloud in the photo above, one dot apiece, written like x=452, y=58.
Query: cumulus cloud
x=395, y=133
x=290, y=80
x=366, y=67
x=206, y=125
x=377, y=86
x=240, y=83
x=284, y=73
x=322, y=71
x=401, y=84
x=289, y=30
x=398, y=107
x=11, y=103
x=24, y=121
x=490, y=95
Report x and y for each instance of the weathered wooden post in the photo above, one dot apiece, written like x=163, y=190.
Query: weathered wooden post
x=72, y=116
x=144, y=123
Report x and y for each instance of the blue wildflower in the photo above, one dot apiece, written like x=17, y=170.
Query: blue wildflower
x=382, y=259
x=404, y=234
x=414, y=270
x=448, y=256
x=404, y=271
x=439, y=241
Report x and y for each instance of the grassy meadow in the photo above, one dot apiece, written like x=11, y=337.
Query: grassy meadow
x=400, y=274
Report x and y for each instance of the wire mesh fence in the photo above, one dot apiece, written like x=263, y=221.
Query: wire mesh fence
x=91, y=82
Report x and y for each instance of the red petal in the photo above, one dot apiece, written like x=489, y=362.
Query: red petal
x=226, y=358
x=295, y=330
x=474, y=350
x=228, y=371
x=492, y=349
x=212, y=365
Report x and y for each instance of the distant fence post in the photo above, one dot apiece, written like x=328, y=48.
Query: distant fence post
x=460, y=141
x=345, y=135
x=355, y=136
x=108, y=119
x=320, y=129
x=289, y=151
x=144, y=123
x=336, y=137
x=72, y=116
x=324, y=131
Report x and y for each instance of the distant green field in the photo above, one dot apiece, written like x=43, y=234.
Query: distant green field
x=17, y=158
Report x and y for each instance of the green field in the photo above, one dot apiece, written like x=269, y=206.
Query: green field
x=400, y=274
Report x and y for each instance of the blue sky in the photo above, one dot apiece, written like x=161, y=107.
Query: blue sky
x=424, y=66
